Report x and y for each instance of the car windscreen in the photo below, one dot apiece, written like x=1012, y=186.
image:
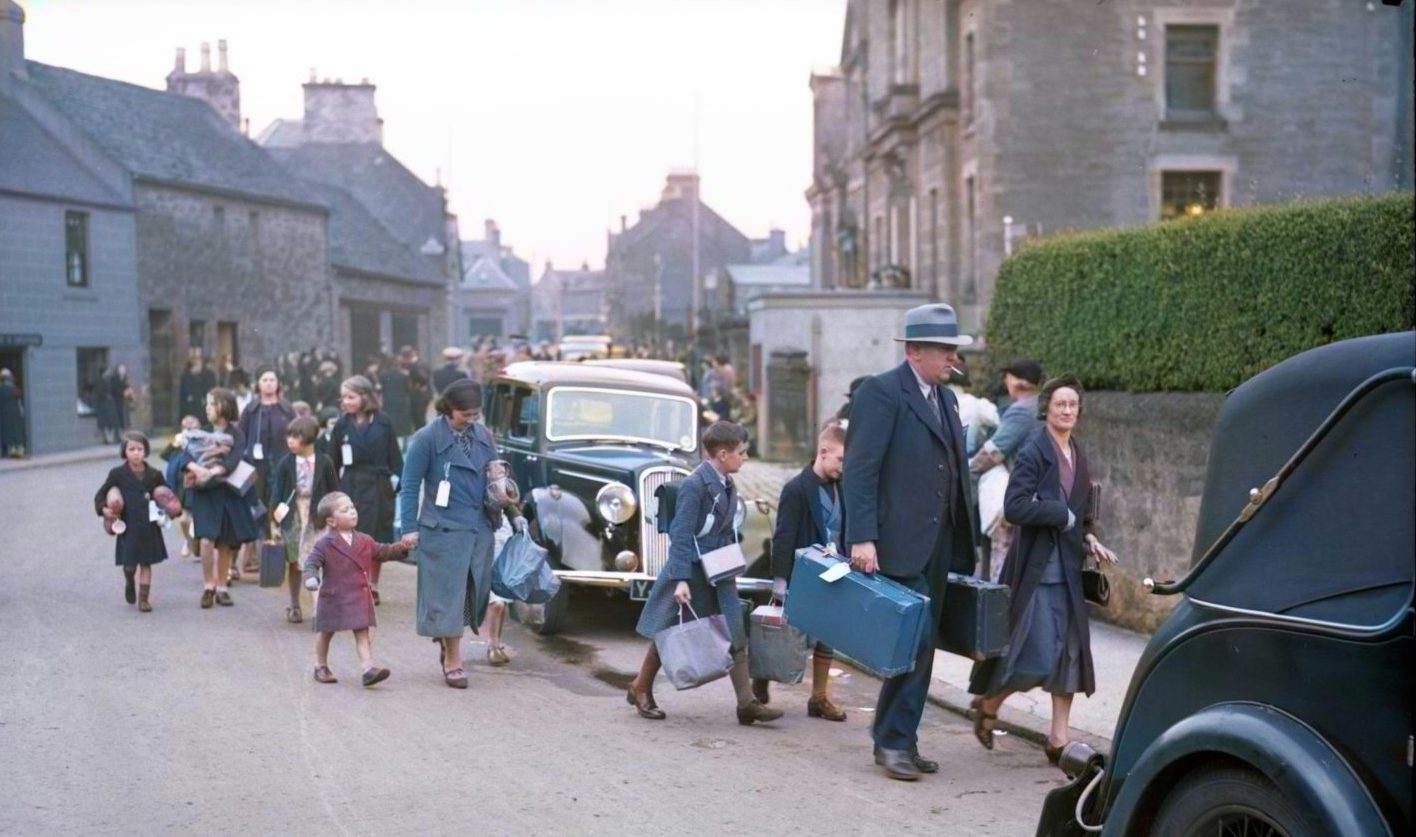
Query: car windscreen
x=587, y=413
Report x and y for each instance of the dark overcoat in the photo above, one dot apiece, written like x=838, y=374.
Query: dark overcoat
x=12, y=416
x=218, y=513
x=345, y=602
x=704, y=515
x=398, y=400
x=142, y=542
x=367, y=478
x=902, y=466
x=800, y=520
x=266, y=428
x=1034, y=503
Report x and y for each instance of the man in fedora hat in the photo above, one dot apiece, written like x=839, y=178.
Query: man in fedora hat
x=907, y=506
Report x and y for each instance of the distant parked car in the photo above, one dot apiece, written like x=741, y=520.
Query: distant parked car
x=589, y=445
x=585, y=346
x=1276, y=699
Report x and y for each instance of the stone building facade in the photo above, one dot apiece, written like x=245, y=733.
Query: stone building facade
x=68, y=266
x=229, y=254
x=494, y=296
x=953, y=128
x=651, y=283
x=569, y=302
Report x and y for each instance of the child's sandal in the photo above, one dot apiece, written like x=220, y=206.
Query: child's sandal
x=324, y=675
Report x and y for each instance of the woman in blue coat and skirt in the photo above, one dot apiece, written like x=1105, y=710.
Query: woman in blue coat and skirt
x=705, y=519
x=1049, y=498
x=446, y=469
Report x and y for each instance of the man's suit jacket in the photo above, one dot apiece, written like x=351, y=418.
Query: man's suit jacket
x=896, y=479
x=800, y=521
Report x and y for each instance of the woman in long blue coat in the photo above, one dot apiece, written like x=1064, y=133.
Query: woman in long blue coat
x=364, y=447
x=453, y=537
x=1049, y=498
x=705, y=519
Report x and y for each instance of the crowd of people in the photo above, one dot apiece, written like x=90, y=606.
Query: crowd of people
x=904, y=481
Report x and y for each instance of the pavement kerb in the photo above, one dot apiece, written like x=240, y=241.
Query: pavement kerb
x=50, y=460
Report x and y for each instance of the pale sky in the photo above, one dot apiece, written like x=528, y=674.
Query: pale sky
x=554, y=117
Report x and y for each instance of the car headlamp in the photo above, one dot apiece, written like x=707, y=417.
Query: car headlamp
x=616, y=503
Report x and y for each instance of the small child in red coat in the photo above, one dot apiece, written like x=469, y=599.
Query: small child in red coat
x=338, y=567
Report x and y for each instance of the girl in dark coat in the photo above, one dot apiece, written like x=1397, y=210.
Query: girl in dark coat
x=221, y=518
x=140, y=545
x=197, y=381
x=263, y=423
x=1049, y=499
x=339, y=567
x=364, y=447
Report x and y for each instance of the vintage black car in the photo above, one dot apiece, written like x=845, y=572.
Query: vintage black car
x=1277, y=697
x=589, y=445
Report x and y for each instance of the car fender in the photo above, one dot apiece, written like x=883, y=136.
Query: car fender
x=1290, y=753
x=564, y=525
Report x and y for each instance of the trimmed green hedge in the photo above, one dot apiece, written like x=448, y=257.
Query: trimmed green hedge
x=1205, y=303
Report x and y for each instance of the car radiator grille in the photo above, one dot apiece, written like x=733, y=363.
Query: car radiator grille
x=653, y=545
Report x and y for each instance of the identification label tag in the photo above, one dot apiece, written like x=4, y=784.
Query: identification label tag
x=346, y=453
x=258, y=452
x=280, y=512
x=444, y=494
x=154, y=513
x=836, y=572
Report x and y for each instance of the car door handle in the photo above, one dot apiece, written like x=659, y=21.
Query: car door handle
x=532, y=459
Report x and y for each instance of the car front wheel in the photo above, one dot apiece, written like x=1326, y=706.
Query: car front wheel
x=1228, y=801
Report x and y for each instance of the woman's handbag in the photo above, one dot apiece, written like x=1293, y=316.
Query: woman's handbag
x=1096, y=587
x=697, y=652
x=776, y=650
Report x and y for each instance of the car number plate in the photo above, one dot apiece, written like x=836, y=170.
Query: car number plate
x=639, y=588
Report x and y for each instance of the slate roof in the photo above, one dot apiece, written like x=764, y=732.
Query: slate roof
x=486, y=275
x=37, y=163
x=164, y=136
x=649, y=223
x=410, y=209
x=359, y=241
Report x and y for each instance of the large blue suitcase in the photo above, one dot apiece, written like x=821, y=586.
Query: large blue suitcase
x=876, y=622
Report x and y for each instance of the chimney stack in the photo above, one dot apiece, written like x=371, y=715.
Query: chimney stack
x=336, y=112
x=221, y=56
x=624, y=223
x=12, y=42
x=493, y=234
x=221, y=90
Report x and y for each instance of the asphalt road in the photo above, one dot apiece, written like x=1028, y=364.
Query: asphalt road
x=188, y=721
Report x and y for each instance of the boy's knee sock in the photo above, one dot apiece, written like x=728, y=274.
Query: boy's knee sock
x=742, y=684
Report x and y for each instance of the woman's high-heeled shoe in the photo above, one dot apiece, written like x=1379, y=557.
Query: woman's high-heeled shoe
x=643, y=703
x=982, y=733
x=1054, y=754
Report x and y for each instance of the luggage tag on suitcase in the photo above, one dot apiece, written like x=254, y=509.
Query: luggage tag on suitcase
x=835, y=572
x=444, y=488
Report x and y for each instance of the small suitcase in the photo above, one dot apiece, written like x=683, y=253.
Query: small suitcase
x=975, y=619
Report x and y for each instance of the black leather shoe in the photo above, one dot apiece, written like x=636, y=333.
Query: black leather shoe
x=898, y=764
x=923, y=764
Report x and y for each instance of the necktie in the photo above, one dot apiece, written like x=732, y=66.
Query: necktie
x=934, y=405
x=464, y=441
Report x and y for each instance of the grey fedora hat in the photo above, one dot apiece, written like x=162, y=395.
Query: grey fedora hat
x=933, y=323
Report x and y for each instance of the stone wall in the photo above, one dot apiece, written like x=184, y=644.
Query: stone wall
x=1149, y=451
x=222, y=259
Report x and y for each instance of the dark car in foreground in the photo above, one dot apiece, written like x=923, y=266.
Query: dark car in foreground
x=1277, y=697
x=590, y=445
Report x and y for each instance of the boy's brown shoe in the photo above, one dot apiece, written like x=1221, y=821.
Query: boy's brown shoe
x=324, y=675
x=375, y=675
